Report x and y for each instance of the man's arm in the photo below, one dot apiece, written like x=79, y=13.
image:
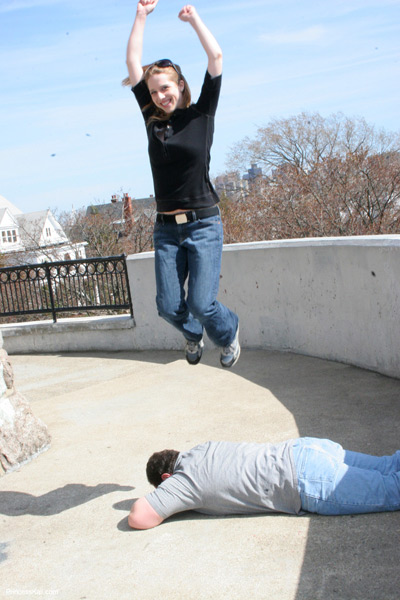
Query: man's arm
x=143, y=515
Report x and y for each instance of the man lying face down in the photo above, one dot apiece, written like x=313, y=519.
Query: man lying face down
x=296, y=476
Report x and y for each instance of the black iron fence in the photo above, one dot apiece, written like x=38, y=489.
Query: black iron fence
x=88, y=284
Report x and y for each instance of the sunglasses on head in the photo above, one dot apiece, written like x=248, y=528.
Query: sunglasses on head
x=163, y=64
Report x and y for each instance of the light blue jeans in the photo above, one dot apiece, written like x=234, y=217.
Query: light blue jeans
x=192, y=252
x=334, y=481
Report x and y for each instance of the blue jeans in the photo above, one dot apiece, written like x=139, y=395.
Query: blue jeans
x=192, y=252
x=334, y=481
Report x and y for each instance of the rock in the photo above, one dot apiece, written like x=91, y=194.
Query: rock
x=22, y=435
x=8, y=374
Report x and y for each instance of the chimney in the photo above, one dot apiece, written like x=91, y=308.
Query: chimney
x=127, y=213
x=114, y=199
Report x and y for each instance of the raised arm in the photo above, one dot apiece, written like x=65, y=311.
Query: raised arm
x=135, y=42
x=207, y=40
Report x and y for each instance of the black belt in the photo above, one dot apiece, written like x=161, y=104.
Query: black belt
x=188, y=216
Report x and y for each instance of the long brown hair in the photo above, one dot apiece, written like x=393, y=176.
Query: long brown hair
x=176, y=75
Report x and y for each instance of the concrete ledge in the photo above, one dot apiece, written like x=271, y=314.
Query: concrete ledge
x=333, y=298
x=356, y=240
x=106, y=333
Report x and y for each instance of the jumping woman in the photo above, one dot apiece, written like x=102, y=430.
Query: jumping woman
x=188, y=232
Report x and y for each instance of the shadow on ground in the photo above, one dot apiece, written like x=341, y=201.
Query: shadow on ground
x=345, y=558
x=14, y=504
x=349, y=557
x=357, y=557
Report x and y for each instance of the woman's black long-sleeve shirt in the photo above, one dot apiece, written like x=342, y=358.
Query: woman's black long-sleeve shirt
x=180, y=160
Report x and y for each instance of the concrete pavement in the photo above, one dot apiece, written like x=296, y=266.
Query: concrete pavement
x=63, y=516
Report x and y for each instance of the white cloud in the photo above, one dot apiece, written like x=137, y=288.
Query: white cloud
x=303, y=36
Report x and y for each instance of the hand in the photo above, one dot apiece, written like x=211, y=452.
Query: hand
x=145, y=7
x=188, y=13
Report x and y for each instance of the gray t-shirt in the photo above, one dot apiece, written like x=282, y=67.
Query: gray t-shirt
x=222, y=478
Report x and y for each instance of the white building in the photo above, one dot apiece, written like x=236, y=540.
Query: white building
x=34, y=237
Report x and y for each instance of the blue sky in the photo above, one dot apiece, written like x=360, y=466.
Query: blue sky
x=70, y=135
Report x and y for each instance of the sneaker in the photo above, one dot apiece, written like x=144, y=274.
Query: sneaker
x=193, y=352
x=230, y=354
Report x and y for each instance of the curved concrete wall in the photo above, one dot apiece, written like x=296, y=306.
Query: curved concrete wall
x=333, y=298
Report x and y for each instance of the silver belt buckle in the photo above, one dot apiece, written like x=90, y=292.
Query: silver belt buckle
x=181, y=218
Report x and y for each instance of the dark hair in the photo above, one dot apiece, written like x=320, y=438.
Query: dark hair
x=159, y=463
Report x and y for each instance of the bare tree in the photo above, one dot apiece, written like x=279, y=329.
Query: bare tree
x=138, y=235
x=107, y=236
x=321, y=177
x=31, y=235
x=98, y=230
x=41, y=239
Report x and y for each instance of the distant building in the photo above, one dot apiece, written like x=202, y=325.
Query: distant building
x=34, y=237
x=234, y=186
x=252, y=174
x=231, y=185
x=123, y=212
